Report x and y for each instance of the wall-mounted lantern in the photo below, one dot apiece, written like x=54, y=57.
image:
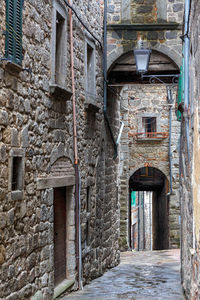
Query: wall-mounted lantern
x=142, y=58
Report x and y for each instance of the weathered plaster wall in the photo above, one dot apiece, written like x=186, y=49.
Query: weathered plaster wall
x=41, y=127
x=139, y=101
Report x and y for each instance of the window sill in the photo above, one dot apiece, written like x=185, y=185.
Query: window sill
x=149, y=140
x=17, y=195
x=11, y=67
x=91, y=104
x=60, y=93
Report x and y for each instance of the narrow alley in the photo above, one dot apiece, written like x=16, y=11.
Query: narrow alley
x=140, y=275
x=99, y=149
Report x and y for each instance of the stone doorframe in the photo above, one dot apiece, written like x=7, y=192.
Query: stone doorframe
x=47, y=186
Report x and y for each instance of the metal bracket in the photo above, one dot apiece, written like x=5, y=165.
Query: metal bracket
x=154, y=78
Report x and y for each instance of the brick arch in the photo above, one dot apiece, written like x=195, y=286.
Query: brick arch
x=62, y=167
x=162, y=48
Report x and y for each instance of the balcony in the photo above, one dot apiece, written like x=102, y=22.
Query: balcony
x=149, y=136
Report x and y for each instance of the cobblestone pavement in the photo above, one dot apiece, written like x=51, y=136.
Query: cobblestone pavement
x=140, y=275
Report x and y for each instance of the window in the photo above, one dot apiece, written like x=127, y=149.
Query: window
x=59, y=40
x=16, y=173
x=60, y=22
x=149, y=126
x=90, y=69
x=13, y=45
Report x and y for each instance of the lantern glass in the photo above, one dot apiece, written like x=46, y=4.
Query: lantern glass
x=142, y=57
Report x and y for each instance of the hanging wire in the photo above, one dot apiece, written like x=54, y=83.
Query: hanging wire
x=83, y=24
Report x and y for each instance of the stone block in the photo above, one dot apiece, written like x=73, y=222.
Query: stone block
x=14, y=137
x=130, y=35
x=117, y=35
x=3, y=220
x=178, y=7
x=152, y=35
x=144, y=9
x=3, y=117
x=171, y=35
x=24, y=137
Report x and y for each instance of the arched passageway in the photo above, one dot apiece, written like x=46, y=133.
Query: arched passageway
x=144, y=109
x=149, y=212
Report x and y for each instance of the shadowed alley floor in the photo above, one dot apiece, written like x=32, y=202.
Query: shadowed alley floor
x=140, y=275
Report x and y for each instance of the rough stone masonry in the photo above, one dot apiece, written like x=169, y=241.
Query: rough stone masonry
x=158, y=24
x=36, y=149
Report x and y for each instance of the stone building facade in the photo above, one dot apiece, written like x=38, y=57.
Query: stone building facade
x=138, y=150
x=37, y=194
x=159, y=25
x=189, y=166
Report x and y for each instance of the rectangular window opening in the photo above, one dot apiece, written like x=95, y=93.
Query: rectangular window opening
x=88, y=199
x=90, y=70
x=149, y=125
x=17, y=173
x=60, y=24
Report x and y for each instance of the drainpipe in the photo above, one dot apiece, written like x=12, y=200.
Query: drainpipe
x=105, y=80
x=138, y=221
x=77, y=178
x=186, y=72
x=170, y=101
x=143, y=207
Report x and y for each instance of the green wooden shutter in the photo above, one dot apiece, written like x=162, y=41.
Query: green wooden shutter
x=13, y=47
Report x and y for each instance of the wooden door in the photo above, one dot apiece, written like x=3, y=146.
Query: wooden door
x=59, y=235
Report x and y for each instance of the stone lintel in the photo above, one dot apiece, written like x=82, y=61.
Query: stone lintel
x=145, y=27
x=59, y=92
x=53, y=182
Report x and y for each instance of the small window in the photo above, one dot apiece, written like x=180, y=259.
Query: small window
x=60, y=22
x=90, y=69
x=16, y=184
x=149, y=126
x=88, y=199
x=13, y=45
x=59, y=44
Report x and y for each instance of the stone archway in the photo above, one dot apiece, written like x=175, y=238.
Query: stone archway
x=116, y=56
x=143, y=214
x=142, y=101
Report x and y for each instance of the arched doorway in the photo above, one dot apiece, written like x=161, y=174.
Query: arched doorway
x=148, y=212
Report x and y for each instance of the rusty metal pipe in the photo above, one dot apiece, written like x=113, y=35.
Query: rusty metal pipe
x=77, y=206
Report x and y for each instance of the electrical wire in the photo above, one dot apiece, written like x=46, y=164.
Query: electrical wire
x=83, y=24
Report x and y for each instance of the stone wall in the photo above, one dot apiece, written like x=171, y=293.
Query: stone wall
x=139, y=101
x=189, y=169
x=36, y=125
x=156, y=22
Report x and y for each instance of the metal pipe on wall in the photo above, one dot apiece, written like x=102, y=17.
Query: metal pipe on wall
x=186, y=72
x=170, y=101
x=77, y=179
x=105, y=80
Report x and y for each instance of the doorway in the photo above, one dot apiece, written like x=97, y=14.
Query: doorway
x=60, y=232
